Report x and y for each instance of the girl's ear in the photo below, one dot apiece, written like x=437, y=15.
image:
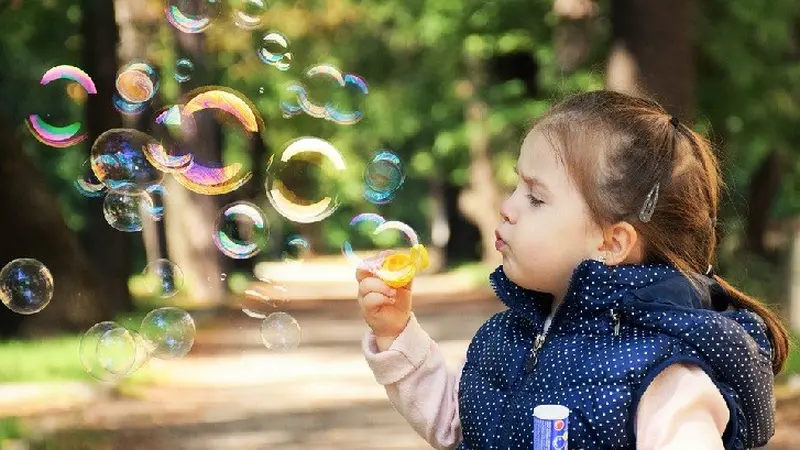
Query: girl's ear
x=621, y=245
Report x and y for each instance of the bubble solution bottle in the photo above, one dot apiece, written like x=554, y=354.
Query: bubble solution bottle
x=550, y=426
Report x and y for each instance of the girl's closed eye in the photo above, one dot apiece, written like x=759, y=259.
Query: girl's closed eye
x=534, y=201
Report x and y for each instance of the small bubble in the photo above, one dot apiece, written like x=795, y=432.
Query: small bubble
x=163, y=278
x=125, y=210
x=184, y=69
x=241, y=230
x=273, y=51
x=296, y=249
x=383, y=176
x=169, y=331
x=266, y=293
x=137, y=82
x=280, y=332
x=26, y=286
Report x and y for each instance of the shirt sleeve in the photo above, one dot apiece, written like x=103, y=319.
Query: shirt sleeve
x=681, y=408
x=418, y=384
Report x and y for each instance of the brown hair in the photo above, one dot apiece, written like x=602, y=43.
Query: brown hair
x=636, y=144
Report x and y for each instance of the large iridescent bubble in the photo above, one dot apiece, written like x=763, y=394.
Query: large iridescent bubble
x=304, y=180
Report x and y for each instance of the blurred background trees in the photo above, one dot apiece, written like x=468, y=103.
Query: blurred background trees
x=453, y=84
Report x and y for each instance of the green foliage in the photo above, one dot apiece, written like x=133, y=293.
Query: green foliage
x=417, y=57
x=41, y=360
x=748, y=89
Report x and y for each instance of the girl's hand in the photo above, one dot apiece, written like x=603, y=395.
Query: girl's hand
x=386, y=310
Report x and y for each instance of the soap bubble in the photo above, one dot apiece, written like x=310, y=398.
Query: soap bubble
x=293, y=97
x=128, y=108
x=73, y=133
x=383, y=177
x=26, y=286
x=163, y=278
x=191, y=16
x=303, y=183
x=116, y=351
x=280, y=332
x=157, y=193
x=109, y=351
x=137, y=82
x=241, y=230
x=184, y=69
x=259, y=296
x=296, y=249
x=118, y=159
x=125, y=209
x=273, y=51
x=233, y=112
x=169, y=331
x=362, y=228
x=392, y=236
x=88, y=185
x=328, y=94
x=174, y=130
x=249, y=14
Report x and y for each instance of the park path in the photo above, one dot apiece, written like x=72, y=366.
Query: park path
x=231, y=393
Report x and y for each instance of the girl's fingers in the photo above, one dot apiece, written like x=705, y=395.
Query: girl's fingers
x=373, y=284
x=375, y=300
x=362, y=272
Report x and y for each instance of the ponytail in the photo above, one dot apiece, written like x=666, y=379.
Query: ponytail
x=778, y=335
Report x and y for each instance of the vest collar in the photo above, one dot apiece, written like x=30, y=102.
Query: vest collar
x=593, y=286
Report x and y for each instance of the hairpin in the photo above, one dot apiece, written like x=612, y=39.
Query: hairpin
x=710, y=271
x=649, y=206
x=674, y=121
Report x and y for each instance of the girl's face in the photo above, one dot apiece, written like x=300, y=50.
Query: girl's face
x=546, y=230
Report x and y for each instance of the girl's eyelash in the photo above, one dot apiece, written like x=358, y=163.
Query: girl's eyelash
x=533, y=200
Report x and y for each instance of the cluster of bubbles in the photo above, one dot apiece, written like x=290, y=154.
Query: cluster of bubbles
x=108, y=351
x=301, y=100
x=303, y=184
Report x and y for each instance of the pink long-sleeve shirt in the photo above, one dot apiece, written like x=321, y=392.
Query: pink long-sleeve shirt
x=681, y=408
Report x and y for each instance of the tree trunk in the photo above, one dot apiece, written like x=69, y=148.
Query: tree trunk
x=465, y=238
x=653, y=52
x=189, y=217
x=109, y=249
x=137, y=25
x=34, y=228
x=479, y=202
x=574, y=32
x=440, y=228
x=794, y=280
x=765, y=185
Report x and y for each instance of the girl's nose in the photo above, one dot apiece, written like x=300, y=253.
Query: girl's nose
x=505, y=210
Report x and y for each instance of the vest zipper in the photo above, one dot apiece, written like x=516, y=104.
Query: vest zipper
x=615, y=319
x=539, y=341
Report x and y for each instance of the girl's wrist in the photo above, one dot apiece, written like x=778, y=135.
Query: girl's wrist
x=384, y=342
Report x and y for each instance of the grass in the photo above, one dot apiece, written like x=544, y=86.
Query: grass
x=51, y=359
x=42, y=360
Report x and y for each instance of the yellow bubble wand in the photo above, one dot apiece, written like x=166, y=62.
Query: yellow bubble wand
x=399, y=268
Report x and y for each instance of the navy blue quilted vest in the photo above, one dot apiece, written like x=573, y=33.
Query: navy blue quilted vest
x=616, y=329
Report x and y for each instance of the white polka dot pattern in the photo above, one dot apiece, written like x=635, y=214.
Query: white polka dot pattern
x=616, y=330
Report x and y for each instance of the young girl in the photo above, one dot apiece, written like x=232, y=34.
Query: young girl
x=613, y=310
